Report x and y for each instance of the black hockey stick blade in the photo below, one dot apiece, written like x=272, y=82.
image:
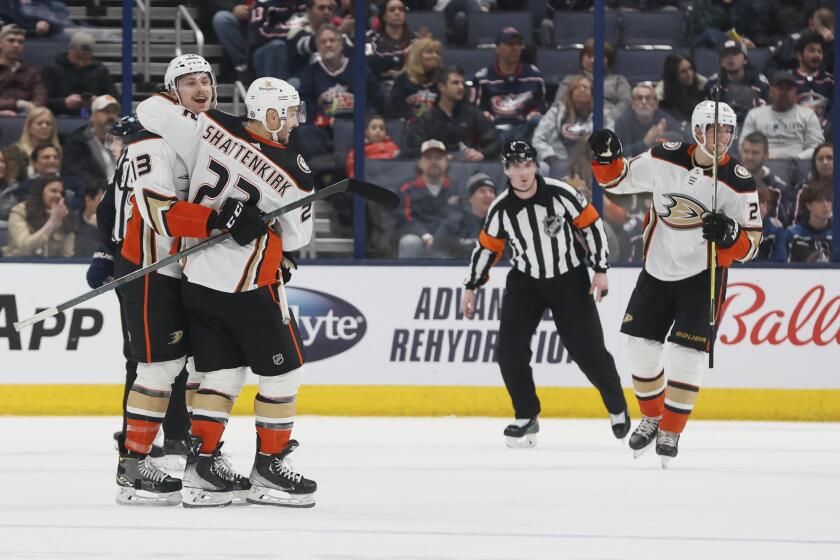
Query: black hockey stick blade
x=380, y=195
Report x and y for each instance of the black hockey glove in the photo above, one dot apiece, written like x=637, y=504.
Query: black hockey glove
x=286, y=266
x=605, y=146
x=101, y=268
x=721, y=229
x=242, y=220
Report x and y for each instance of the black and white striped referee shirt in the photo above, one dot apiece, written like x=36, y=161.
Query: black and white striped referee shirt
x=541, y=233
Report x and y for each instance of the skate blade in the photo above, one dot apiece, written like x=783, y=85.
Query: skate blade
x=199, y=498
x=639, y=452
x=240, y=498
x=664, y=459
x=524, y=442
x=260, y=495
x=132, y=497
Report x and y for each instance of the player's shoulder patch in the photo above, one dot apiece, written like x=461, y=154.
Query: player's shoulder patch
x=302, y=164
x=737, y=177
x=673, y=152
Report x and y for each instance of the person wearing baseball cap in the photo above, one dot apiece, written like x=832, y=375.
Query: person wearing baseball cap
x=792, y=130
x=75, y=77
x=426, y=202
x=85, y=154
x=742, y=85
x=457, y=236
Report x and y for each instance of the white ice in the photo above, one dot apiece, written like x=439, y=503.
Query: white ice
x=444, y=488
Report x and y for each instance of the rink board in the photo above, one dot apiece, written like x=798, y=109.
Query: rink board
x=389, y=340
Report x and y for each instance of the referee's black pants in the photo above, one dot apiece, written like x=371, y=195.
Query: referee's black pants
x=578, y=324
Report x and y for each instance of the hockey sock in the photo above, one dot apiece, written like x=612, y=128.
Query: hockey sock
x=274, y=418
x=687, y=366
x=144, y=413
x=211, y=411
x=190, y=395
x=650, y=392
x=645, y=357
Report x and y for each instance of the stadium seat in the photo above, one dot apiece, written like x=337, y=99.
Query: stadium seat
x=759, y=58
x=390, y=173
x=13, y=126
x=573, y=28
x=538, y=10
x=639, y=65
x=556, y=64
x=41, y=52
x=802, y=169
x=784, y=168
x=651, y=28
x=470, y=60
x=482, y=27
x=435, y=21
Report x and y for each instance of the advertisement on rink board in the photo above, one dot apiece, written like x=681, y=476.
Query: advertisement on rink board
x=402, y=325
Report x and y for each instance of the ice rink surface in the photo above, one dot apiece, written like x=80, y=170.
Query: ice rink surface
x=444, y=488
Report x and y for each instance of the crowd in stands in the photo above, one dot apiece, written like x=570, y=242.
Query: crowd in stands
x=773, y=62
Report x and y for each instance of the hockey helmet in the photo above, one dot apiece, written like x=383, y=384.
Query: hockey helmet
x=126, y=126
x=704, y=116
x=273, y=93
x=518, y=151
x=184, y=65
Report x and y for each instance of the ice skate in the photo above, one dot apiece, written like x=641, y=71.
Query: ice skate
x=173, y=458
x=241, y=484
x=142, y=484
x=522, y=433
x=666, y=446
x=620, y=424
x=156, y=452
x=205, y=484
x=644, y=435
x=275, y=483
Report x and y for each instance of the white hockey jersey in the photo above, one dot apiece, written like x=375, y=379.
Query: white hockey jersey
x=674, y=247
x=159, y=181
x=225, y=161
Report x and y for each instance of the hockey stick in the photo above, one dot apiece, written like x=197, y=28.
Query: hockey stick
x=713, y=259
x=366, y=190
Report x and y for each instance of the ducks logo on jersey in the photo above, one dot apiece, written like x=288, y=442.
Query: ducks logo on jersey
x=683, y=212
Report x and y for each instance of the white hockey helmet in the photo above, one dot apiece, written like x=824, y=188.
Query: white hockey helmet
x=704, y=116
x=184, y=65
x=273, y=93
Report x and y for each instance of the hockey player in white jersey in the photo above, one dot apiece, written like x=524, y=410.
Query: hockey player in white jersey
x=672, y=292
x=230, y=290
x=159, y=216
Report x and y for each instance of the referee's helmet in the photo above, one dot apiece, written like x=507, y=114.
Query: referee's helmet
x=517, y=151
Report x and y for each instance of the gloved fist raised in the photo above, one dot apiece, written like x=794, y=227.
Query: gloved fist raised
x=721, y=229
x=605, y=146
x=242, y=220
x=101, y=269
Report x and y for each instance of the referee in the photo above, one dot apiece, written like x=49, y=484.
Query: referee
x=538, y=217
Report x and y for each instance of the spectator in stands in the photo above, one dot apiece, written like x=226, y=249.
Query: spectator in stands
x=459, y=124
x=21, y=85
x=76, y=78
x=41, y=226
x=780, y=194
x=778, y=18
x=616, y=86
x=414, y=91
x=792, y=130
x=268, y=34
x=743, y=86
x=38, y=18
x=389, y=45
x=456, y=236
x=773, y=247
x=377, y=143
x=510, y=93
x=644, y=123
x=681, y=88
x=87, y=236
x=230, y=22
x=784, y=57
x=303, y=28
x=8, y=186
x=814, y=86
x=327, y=86
x=822, y=171
x=39, y=129
x=810, y=241
x=566, y=123
x=709, y=21
x=85, y=154
x=427, y=201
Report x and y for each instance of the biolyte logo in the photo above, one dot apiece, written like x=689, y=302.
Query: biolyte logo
x=328, y=325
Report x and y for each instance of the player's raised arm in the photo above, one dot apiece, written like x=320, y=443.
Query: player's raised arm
x=616, y=173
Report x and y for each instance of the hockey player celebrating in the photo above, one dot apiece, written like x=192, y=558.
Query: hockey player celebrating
x=240, y=170
x=689, y=213
x=537, y=215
